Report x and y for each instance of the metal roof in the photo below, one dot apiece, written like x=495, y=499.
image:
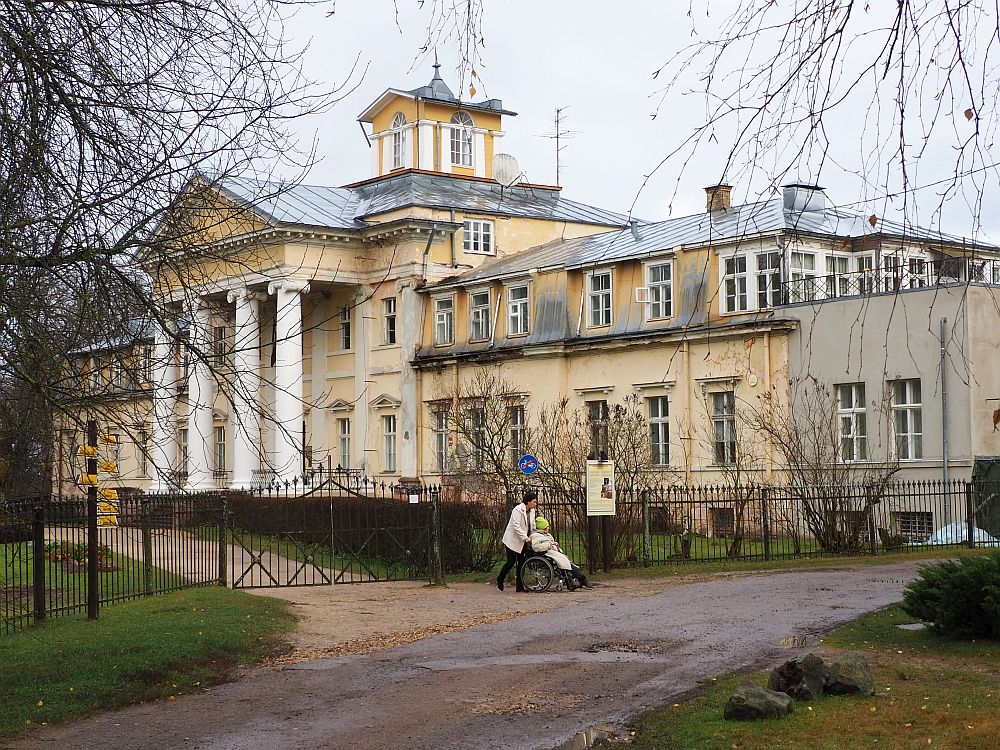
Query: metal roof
x=350, y=207
x=718, y=227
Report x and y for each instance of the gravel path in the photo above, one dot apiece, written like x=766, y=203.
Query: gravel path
x=523, y=683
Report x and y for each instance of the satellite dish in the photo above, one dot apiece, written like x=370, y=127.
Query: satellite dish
x=505, y=169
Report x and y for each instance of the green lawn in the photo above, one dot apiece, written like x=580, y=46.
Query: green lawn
x=145, y=649
x=931, y=692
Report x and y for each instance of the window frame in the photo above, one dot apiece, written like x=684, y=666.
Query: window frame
x=517, y=419
x=659, y=430
x=661, y=292
x=853, y=415
x=344, y=316
x=389, y=321
x=442, y=439
x=595, y=306
x=598, y=417
x=445, y=317
x=767, y=280
x=909, y=415
x=219, y=449
x=462, y=126
x=344, y=441
x=724, y=451
x=397, y=127
x=838, y=275
x=479, y=314
x=389, y=445
x=514, y=310
x=802, y=280
x=734, y=284
x=478, y=237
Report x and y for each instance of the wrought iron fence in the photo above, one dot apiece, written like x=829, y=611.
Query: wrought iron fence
x=159, y=543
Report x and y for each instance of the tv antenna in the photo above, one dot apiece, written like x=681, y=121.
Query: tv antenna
x=560, y=134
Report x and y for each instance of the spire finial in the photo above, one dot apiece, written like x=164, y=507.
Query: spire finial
x=436, y=64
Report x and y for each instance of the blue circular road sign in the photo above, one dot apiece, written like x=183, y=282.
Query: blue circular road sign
x=528, y=464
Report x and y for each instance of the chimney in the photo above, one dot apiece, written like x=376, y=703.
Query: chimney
x=799, y=197
x=717, y=197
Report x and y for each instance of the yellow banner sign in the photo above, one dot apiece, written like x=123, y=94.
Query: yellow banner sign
x=87, y=480
x=107, y=466
x=106, y=493
x=107, y=439
x=87, y=451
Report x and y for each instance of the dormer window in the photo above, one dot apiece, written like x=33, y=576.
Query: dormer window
x=398, y=139
x=461, y=139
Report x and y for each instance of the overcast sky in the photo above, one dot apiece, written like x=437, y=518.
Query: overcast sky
x=597, y=60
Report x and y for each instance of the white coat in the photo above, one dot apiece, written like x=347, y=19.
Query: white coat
x=519, y=527
x=554, y=552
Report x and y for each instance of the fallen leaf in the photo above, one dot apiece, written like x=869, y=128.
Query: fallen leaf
x=873, y=220
x=969, y=114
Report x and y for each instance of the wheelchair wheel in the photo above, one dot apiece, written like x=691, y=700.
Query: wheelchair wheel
x=537, y=574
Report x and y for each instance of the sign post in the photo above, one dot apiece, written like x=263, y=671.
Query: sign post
x=93, y=594
x=527, y=464
x=601, y=493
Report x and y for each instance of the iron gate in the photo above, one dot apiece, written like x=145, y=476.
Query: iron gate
x=338, y=528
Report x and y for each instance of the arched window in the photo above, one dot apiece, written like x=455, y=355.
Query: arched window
x=398, y=139
x=461, y=139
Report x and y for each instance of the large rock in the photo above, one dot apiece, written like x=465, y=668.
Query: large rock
x=803, y=677
x=849, y=675
x=751, y=702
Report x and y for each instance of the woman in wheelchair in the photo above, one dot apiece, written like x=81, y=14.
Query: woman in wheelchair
x=539, y=572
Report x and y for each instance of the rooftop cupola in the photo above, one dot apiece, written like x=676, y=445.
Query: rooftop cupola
x=799, y=197
x=429, y=128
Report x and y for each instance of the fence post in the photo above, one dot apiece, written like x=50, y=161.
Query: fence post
x=38, y=561
x=147, y=546
x=93, y=591
x=437, y=569
x=970, y=511
x=606, y=551
x=872, y=531
x=223, y=508
x=647, y=542
x=765, y=520
x=592, y=544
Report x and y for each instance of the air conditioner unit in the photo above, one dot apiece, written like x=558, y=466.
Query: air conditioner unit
x=642, y=295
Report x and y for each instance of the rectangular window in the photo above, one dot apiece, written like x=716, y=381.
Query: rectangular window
x=94, y=373
x=517, y=310
x=116, y=370
x=917, y=273
x=220, y=451
x=389, y=320
x=600, y=298
x=659, y=280
x=802, y=275
x=853, y=422
x=892, y=273
x=142, y=448
x=442, y=433
x=345, y=327
x=344, y=442
x=479, y=316
x=444, y=320
x=865, y=267
x=389, y=441
x=516, y=433
x=146, y=364
x=735, y=284
x=219, y=348
x=724, y=427
x=914, y=525
x=597, y=419
x=838, y=279
x=182, y=437
x=769, y=279
x=398, y=142
x=659, y=430
x=907, y=420
x=477, y=237
x=477, y=436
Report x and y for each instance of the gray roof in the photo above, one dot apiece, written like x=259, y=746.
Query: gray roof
x=350, y=207
x=643, y=239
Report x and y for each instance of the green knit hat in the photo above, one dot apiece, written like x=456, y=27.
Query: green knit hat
x=541, y=524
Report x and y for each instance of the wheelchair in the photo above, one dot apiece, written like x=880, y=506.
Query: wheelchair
x=539, y=573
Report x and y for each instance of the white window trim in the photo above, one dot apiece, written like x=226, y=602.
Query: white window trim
x=489, y=312
x=386, y=453
x=853, y=413
x=462, y=133
x=648, y=308
x=910, y=409
x=723, y=276
x=435, y=301
x=660, y=420
x=772, y=293
x=471, y=224
x=588, y=310
x=527, y=306
x=385, y=321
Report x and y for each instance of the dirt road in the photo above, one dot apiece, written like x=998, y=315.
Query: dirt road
x=523, y=683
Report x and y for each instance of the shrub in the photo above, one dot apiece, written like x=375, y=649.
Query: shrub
x=958, y=598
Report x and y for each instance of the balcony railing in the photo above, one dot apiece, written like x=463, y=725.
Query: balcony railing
x=818, y=287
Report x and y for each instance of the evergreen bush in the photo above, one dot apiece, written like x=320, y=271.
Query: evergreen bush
x=959, y=598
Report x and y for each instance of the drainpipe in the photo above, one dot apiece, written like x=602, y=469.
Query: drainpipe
x=583, y=297
x=454, y=251
x=944, y=415
x=427, y=249
x=496, y=318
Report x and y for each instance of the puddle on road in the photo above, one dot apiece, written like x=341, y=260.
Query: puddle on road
x=627, y=647
x=799, y=641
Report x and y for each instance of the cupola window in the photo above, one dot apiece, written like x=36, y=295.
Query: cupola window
x=461, y=139
x=398, y=139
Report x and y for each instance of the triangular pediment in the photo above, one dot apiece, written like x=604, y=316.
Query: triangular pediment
x=385, y=401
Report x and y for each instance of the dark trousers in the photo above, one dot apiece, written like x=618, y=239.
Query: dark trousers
x=578, y=574
x=514, y=560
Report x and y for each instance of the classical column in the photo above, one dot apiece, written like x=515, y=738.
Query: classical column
x=244, y=413
x=425, y=147
x=288, y=407
x=445, y=148
x=164, y=434
x=201, y=398
x=362, y=348
x=409, y=324
x=479, y=152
